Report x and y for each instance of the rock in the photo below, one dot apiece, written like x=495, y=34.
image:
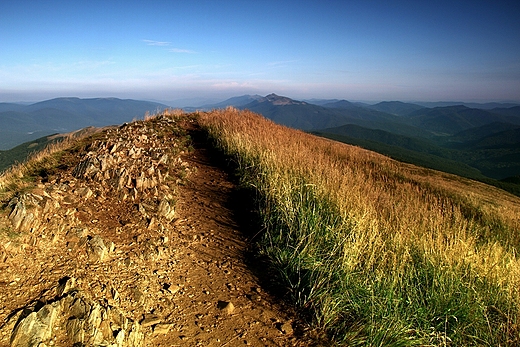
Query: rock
x=66, y=284
x=25, y=211
x=137, y=295
x=226, y=307
x=85, y=193
x=256, y=297
x=149, y=320
x=81, y=320
x=114, y=293
x=174, y=289
x=87, y=167
x=164, y=159
x=96, y=248
x=162, y=329
x=287, y=328
x=166, y=210
x=37, y=327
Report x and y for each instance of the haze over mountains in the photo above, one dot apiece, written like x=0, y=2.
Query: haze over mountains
x=479, y=141
x=21, y=123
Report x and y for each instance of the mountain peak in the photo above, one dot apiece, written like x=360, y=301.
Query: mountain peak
x=280, y=100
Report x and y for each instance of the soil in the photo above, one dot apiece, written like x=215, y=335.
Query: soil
x=189, y=282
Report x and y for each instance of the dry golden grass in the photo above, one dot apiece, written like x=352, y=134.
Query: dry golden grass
x=386, y=214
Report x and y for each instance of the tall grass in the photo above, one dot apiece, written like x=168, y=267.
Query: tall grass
x=378, y=252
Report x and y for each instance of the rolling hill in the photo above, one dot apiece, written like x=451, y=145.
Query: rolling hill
x=397, y=108
x=453, y=119
x=306, y=116
x=479, y=141
x=22, y=123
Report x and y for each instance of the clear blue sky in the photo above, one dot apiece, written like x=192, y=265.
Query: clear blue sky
x=168, y=50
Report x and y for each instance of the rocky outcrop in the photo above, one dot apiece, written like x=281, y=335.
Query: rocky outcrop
x=25, y=212
x=107, y=216
x=121, y=245
x=73, y=319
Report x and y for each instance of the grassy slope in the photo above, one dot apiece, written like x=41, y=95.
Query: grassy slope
x=20, y=153
x=446, y=160
x=378, y=252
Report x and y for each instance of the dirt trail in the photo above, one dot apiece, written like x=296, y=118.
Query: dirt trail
x=214, y=271
x=94, y=254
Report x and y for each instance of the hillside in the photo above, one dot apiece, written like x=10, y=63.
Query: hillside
x=134, y=236
x=489, y=153
x=128, y=237
x=23, y=123
x=397, y=108
x=21, y=153
x=375, y=251
x=306, y=116
x=473, y=140
x=475, y=143
x=453, y=119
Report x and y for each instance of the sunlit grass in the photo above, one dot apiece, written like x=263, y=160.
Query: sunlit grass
x=377, y=252
x=381, y=253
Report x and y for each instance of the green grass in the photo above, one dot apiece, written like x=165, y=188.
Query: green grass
x=375, y=252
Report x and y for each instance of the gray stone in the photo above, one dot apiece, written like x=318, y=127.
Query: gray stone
x=37, y=327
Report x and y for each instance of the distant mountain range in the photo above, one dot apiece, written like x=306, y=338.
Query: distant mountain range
x=480, y=141
x=21, y=123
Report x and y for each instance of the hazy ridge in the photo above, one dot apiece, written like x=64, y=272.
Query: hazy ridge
x=478, y=141
x=22, y=123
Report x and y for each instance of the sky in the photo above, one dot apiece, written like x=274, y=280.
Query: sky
x=170, y=50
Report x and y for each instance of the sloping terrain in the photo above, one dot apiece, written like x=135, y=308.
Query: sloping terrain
x=22, y=123
x=129, y=239
x=377, y=252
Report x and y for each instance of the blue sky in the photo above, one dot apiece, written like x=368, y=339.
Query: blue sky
x=168, y=50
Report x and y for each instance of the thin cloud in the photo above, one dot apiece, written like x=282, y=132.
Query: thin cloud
x=282, y=62
x=157, y=43
x=180, y=50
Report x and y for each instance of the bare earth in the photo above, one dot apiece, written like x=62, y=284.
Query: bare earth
x=158, y=277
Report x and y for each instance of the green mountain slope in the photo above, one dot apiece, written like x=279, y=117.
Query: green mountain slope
x=491, y=158
x=20, y=122
x=452, y=119
x=19, y=153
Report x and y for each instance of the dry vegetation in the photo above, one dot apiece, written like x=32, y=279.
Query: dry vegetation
x=380, y=253
x=377, y=252
x=18, y=177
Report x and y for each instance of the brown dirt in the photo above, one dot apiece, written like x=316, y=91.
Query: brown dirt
x=182, y=273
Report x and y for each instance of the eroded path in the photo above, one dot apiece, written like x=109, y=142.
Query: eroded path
x=132, y=242
x=225, y=303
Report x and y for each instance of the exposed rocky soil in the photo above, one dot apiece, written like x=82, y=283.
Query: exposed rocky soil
x=133, y=242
